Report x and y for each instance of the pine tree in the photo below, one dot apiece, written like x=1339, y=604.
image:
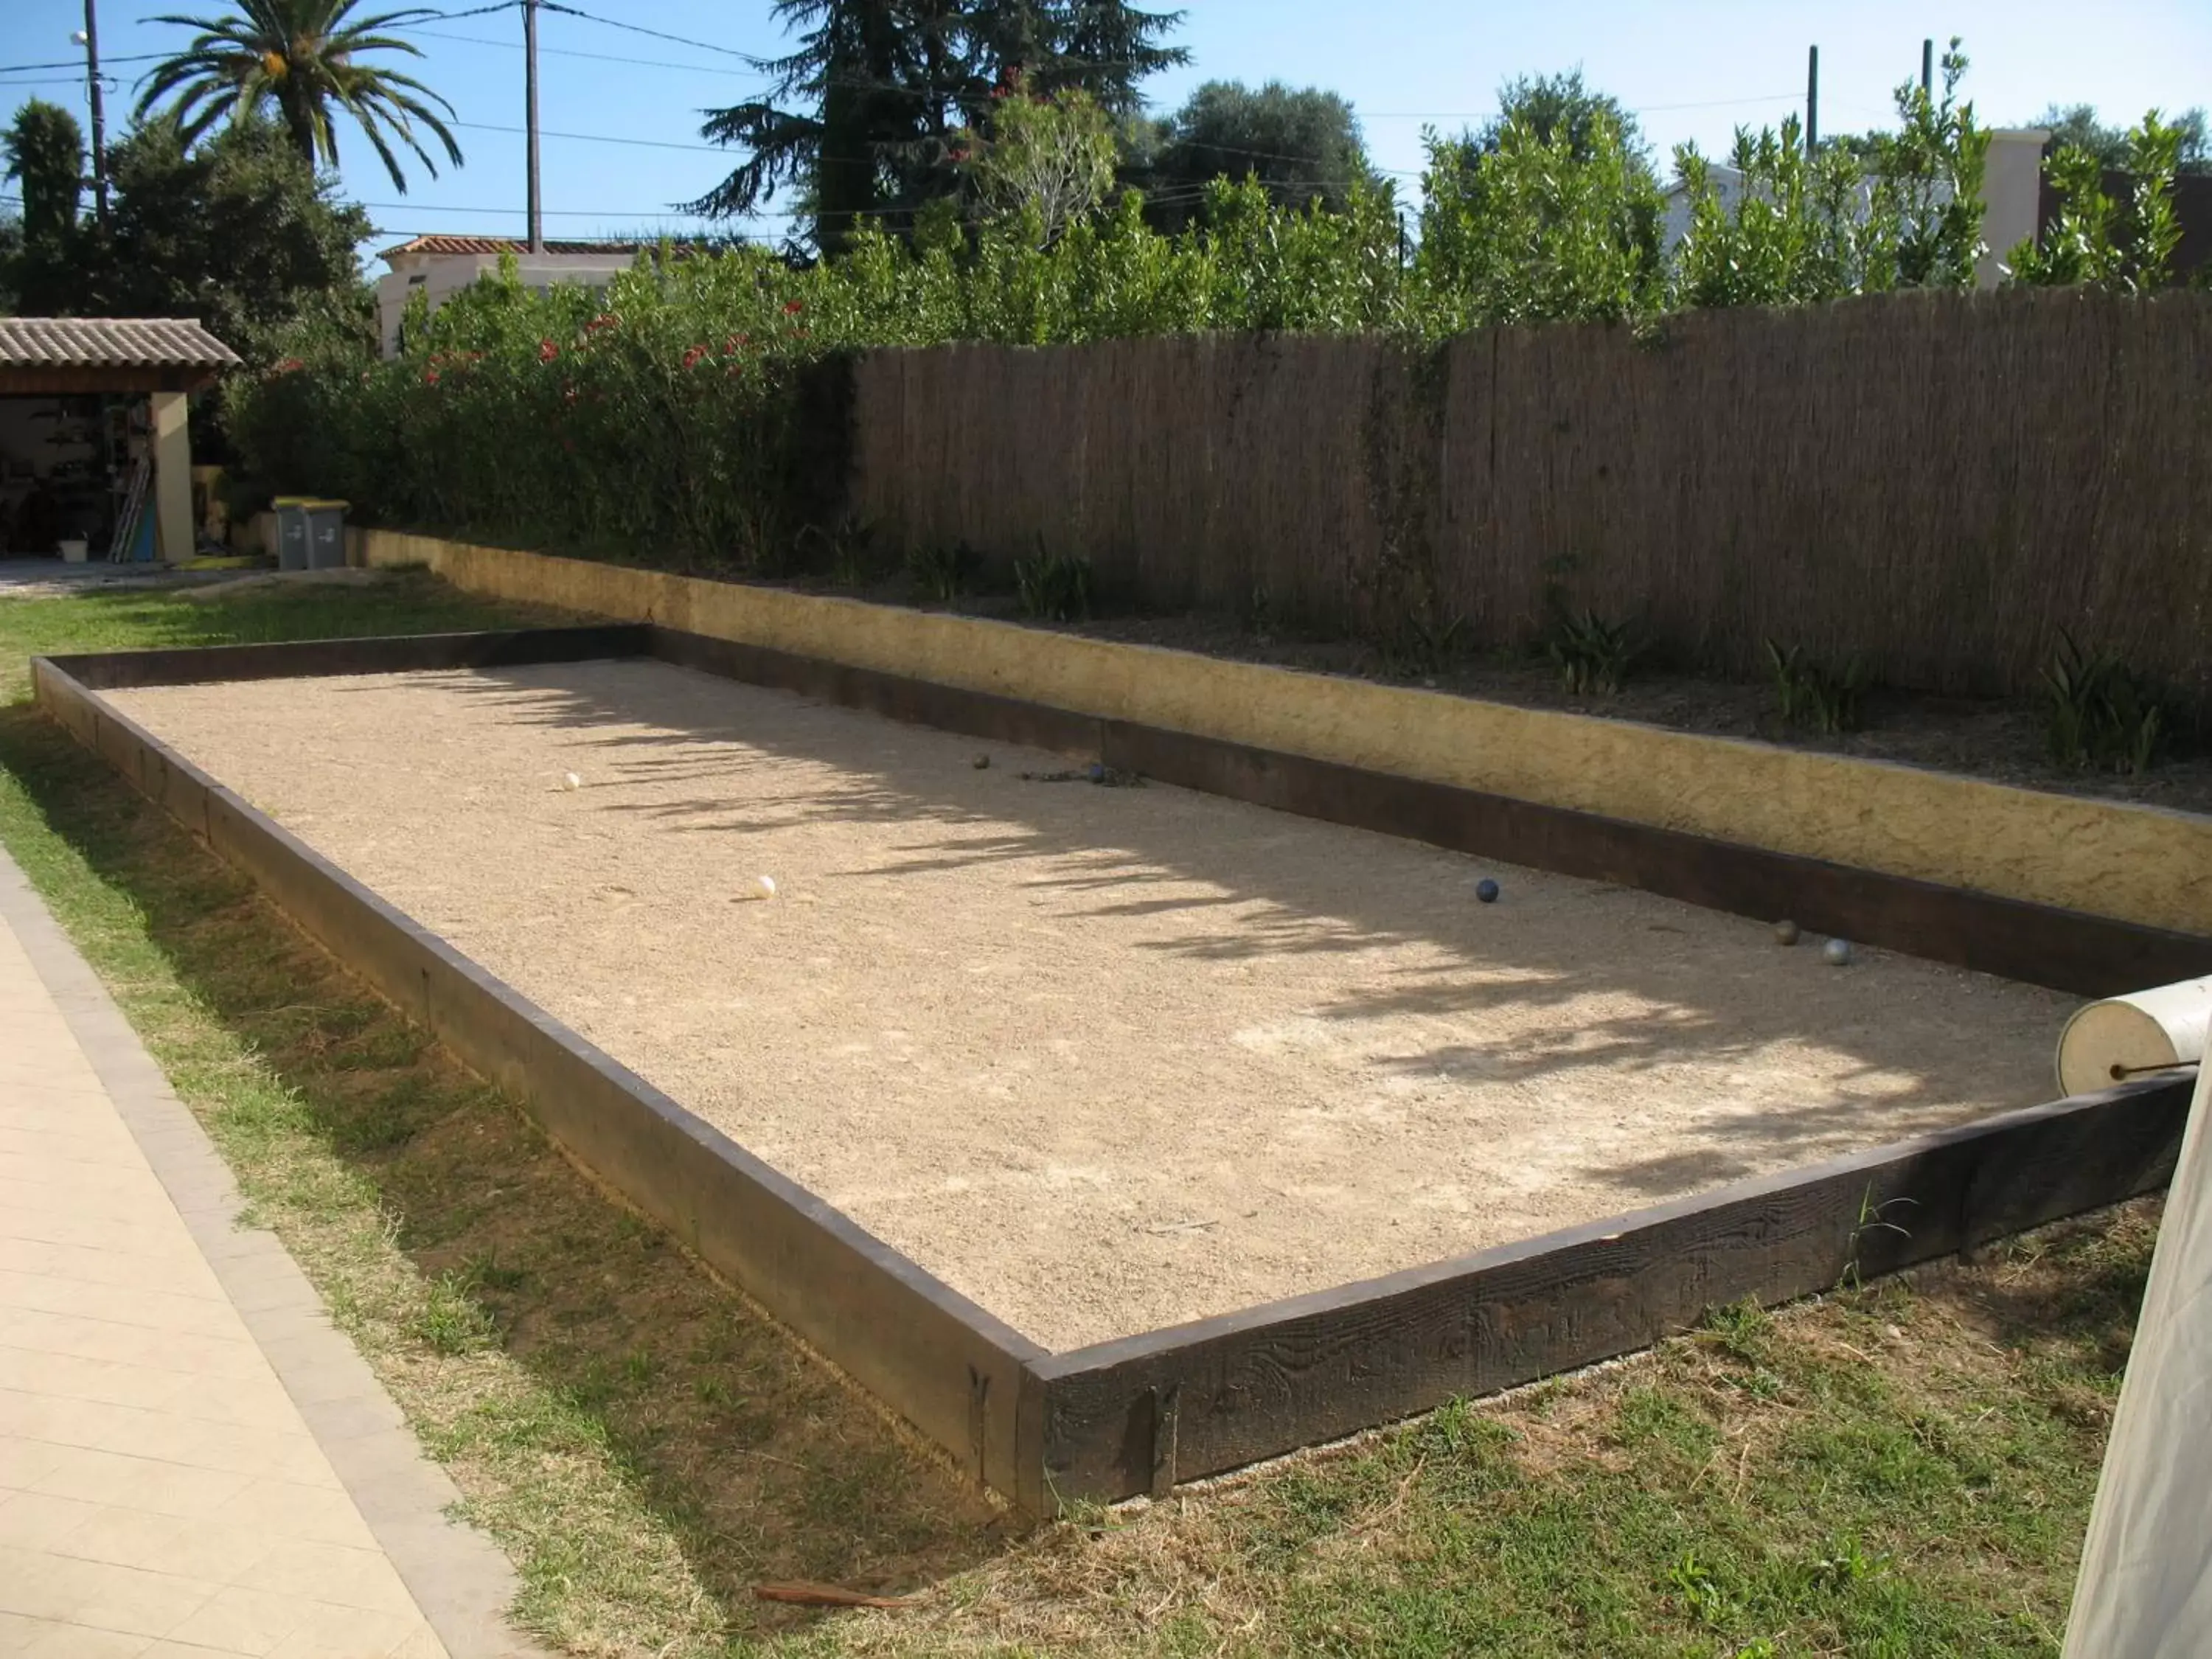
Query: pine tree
x=863, y=117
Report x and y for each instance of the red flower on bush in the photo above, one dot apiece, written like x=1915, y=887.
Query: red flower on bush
x=691, y=357
x=792, y=308
x=289, y=366
x=430, y=377
x=547, y=351
x=604, y=320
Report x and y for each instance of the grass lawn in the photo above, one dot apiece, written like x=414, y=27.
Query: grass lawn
x=1903, y=1470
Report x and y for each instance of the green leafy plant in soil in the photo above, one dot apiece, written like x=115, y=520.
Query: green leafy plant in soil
x=2099, y=713
x=1053, y=587
x=1812, y=693
x=1593, y=654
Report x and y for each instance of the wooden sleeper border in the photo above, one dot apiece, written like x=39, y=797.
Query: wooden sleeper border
x=1139, y=1413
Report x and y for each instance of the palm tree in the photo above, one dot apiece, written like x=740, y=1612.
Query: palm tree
x=304, y=54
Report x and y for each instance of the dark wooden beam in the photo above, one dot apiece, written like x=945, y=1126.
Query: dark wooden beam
x=1223, y=1392
x=74, y=380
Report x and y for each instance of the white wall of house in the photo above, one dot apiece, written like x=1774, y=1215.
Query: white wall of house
x=2012, y=198
x=439, y=276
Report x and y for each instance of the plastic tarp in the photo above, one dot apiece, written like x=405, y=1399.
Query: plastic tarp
x=2145, y=1589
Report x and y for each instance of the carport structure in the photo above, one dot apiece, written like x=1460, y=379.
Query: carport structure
x=161, y=359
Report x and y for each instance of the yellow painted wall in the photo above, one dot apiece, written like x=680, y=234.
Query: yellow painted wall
x=2134, y=863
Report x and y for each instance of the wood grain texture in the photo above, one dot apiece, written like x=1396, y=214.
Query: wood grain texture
x=1935, y=482
x=1256, y=1384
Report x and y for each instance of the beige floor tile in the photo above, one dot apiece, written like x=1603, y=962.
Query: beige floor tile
x=17, y=1633
x=24, y=1464
x=88, y=1190
x=421, y=1644
x=347, y=1633
x=80, y=1641
x=140, y=1483
x=251, y=1400
x=246, y=1621
x=94, y=1593
x=124, y=1238
x=70, y=1377
x=133, y=1345
x=83, y=1143
x=332, y=1573
x=219, y=1551
x=155, y=1308
x=180, y=1274
x=318, y=1515
x=40, y=1520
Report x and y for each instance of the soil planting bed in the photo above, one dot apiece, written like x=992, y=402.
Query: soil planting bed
x=1103, y=1058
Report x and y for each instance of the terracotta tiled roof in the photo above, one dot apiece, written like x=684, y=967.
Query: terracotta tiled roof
x=502, y=245
x=110, y=343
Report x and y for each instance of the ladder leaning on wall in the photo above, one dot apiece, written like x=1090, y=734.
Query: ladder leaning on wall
x=120, y=547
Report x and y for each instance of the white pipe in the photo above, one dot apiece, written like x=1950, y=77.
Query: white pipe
x=2144, y=1031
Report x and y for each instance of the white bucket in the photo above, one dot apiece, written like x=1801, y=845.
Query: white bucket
x=2144, y=1031
x=73, y=552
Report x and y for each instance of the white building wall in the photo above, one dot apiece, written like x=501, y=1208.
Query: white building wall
x=439, y=276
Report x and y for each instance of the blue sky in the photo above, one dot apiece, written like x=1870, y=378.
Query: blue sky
x=1692, y=71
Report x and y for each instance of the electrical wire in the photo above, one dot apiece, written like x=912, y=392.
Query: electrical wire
x=658, y=34
x=593, y=137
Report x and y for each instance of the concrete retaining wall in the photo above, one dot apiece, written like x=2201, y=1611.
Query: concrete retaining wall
x=2137, y=863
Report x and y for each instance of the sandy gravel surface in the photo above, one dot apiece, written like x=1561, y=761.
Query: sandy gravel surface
x=1102, y=1059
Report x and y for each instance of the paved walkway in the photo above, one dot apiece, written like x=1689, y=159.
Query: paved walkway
x=192, y=1461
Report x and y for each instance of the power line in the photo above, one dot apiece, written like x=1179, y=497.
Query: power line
x=593, y=137
x=658, y=34
x=569, y=51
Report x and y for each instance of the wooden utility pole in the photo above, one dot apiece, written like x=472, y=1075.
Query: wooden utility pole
x=1812, y=99
x=530, y=99
x=99, y=112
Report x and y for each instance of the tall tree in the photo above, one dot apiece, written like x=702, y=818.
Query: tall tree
x=1548, y=104
x=304, y=56
x=1300, y=143
x=236, y=230
x=2077, y=126
x=46, y=160
x=865, y=117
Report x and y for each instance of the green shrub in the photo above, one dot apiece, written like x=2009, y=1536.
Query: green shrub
x=2099, y=713
x=1594, y=654
x=942, y=572
x=1808, y=692
x=1053, y=587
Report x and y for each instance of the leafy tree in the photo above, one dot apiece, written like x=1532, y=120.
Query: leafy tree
x=1049, y=157
x=236, y=230
x=305, y=57
x=1535, y=228
x=44, y=149
x=1548, y=105
x=1898, y=209
x=2125, y=243
x=863, y=119
x=1300, y=143
x=2075, y=126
